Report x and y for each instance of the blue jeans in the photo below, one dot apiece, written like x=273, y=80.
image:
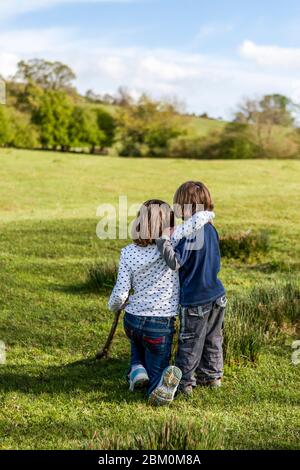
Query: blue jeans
x=151, y=343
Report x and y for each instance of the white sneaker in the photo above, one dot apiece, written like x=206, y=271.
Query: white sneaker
x=164, y=393
x=138, y=377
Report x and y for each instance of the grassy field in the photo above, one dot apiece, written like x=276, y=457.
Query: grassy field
x=50, y=320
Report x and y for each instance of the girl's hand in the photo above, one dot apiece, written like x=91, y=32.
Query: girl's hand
x=167, y=232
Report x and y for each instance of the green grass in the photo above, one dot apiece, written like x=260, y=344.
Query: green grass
x=51, y=318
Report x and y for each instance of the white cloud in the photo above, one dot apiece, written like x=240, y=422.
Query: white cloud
x=205, y=82
x=11, y=8
x=165, y=69
x=35, y=42
x=271, y=55
x=8, y=63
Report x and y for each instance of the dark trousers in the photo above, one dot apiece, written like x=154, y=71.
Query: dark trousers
x=151, y=343
x=200, y=352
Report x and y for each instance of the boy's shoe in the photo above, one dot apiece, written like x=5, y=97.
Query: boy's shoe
x=138, y=377
x=215, y=383
x=165, y=391
x=186, y=390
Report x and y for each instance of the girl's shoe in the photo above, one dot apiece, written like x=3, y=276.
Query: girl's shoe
x=164, y=393
x=138, y=377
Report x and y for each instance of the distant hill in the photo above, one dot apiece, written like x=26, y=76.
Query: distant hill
x=195, y=126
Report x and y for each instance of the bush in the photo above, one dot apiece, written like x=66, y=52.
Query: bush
x=282, y=145
x=107, y=125
x=23, y=133
x=16, y=129
x=146, y=128
x=5, y=127
x=244, y=245
x=185, y=147
x=235, y=142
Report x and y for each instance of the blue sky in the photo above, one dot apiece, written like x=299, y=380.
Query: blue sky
x=208, y=54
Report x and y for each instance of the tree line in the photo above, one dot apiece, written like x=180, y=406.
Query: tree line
x=44, y=110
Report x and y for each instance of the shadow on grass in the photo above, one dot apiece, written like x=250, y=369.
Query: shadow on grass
x=275, y=267
x=106, y=377
x=79, y=288
x=100, y=278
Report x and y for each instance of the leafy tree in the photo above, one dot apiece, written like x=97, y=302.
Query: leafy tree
x=84, y=130
x=48, y=75
x=107, y=127
x=123, y=97
x=277, y=109
x=51, y=113
x=16, y=130
x=265, y=116
x=23, y=134
x=235, y=142
x=147, y=127
x=5, y=129
x=93, y=97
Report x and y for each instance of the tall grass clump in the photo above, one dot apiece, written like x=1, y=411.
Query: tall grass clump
x=259, y=316
x=101, y=276
x=245, y=244
x=168, y=435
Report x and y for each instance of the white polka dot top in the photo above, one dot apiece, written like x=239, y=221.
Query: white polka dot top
x=151, y=287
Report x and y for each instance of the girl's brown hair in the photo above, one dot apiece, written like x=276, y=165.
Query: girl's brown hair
x=191, y=197
x=153, y=217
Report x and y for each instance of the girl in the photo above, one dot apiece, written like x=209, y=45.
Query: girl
x=151, y=308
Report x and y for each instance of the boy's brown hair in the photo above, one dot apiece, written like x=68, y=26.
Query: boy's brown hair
x=190, y=197
x=153, y=217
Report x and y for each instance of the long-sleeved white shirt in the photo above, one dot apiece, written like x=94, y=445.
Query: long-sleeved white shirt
x=143, y=270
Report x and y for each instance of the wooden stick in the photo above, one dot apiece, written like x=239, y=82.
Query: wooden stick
x=104, y=351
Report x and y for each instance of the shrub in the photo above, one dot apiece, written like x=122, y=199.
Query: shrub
x=281, y=145
x=185, y=147
x=235, y=142
x=23, y=133
x=107, y=125
x=146, y=128
x=5, y=127
x=16, y=129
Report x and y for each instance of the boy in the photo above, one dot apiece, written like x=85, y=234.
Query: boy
x=202, y=295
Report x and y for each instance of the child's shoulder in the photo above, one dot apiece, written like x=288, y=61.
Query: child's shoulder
x=134, y=248
x=128, y=249
x=211, y=230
